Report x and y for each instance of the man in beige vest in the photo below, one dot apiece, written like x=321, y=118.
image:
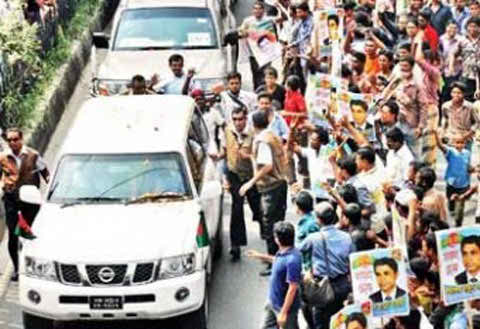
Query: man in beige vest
x=270, y=163
x=20, y=165
x=238, y=150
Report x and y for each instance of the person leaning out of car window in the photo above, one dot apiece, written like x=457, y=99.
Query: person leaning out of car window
x=175, y=82
x=138, y=86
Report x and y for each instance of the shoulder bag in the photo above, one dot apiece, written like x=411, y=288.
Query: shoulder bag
x=318, y=291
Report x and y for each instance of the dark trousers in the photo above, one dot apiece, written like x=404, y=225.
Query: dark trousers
x=470, y=90
x=321, y=315
x=238, y=233
x=12, y=206
x=258, y=75
x=274, y=204
x=457, y=207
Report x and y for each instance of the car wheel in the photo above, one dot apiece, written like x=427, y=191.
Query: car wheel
x=199, y=318
x=35, y=322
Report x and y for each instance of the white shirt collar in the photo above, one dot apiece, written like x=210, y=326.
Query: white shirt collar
x=469, y=277
x=392, y=295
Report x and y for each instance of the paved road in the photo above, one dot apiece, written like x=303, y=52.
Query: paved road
x=237, y=293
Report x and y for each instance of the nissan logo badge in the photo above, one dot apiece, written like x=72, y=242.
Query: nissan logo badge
x=106, y=274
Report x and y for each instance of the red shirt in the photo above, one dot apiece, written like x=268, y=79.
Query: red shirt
x=294, y=102
x=431, y=36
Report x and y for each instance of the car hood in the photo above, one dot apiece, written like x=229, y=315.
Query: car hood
x=123, y=65
x=114, y=233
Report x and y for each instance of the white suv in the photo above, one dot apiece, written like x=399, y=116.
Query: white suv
x=147, y=32
x=131, y=220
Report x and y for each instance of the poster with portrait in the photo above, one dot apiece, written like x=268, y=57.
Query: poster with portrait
x=327, y=38
x=320, y=94
x=263, y=43
x=379, y=279
x=355, y=316
x=344, y=98
x=459, y=259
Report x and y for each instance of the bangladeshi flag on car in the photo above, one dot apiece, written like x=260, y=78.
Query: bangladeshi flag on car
x=23, y=229
x=203, y=240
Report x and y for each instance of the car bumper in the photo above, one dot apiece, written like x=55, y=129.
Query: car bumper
x=150, y=301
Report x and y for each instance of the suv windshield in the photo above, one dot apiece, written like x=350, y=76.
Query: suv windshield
x=116, y=178
x=165, y=28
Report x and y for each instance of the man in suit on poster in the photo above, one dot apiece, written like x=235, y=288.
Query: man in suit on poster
x=470, y=247
x=386, y=272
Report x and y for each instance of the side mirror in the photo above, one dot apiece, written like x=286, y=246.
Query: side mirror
x=211, y=190
x=30, y=194
x=100, y=40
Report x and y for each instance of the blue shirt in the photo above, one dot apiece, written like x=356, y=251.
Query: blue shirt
x=362, y=191
x=305, y=226
x=457, y=174
x=339, y=245
x=286, y=269
x=277, y=125
x=302, y=34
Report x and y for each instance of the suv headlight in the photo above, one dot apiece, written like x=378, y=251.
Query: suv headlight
x=110, y=87
x=40, y=268
x=173, y=267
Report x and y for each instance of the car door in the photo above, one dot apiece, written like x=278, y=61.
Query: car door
x=207, y=176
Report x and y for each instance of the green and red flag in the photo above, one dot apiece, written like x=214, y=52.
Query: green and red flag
x=202, y=237
x=23, y=229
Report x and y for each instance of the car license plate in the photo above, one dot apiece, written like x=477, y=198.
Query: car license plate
x=106, y=302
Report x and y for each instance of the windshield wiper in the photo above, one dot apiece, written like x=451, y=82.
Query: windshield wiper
x=85, y=200
x=155, y=196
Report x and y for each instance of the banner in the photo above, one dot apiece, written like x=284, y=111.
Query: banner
x=347, y=316
x=379, y=278
x=326, y=41
x=321, y=92
x=459, y=259
x=264, y=44
x=344, y=98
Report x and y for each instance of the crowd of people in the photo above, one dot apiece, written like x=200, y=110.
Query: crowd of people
x=415, y=71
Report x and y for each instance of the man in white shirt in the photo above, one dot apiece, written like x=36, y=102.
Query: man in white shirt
x=176, y=82
x=269, y=177
x=399, y=157
x=255, y=23
x=234, y=97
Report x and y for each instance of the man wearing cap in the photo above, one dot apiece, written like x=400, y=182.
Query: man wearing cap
x=330, y=249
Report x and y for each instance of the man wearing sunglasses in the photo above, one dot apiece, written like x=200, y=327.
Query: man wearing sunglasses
x=237, y=147
x=20, y=165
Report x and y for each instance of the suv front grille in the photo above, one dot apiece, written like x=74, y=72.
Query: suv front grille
x=106, y=274
x=70, y=274
x=143, y=273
